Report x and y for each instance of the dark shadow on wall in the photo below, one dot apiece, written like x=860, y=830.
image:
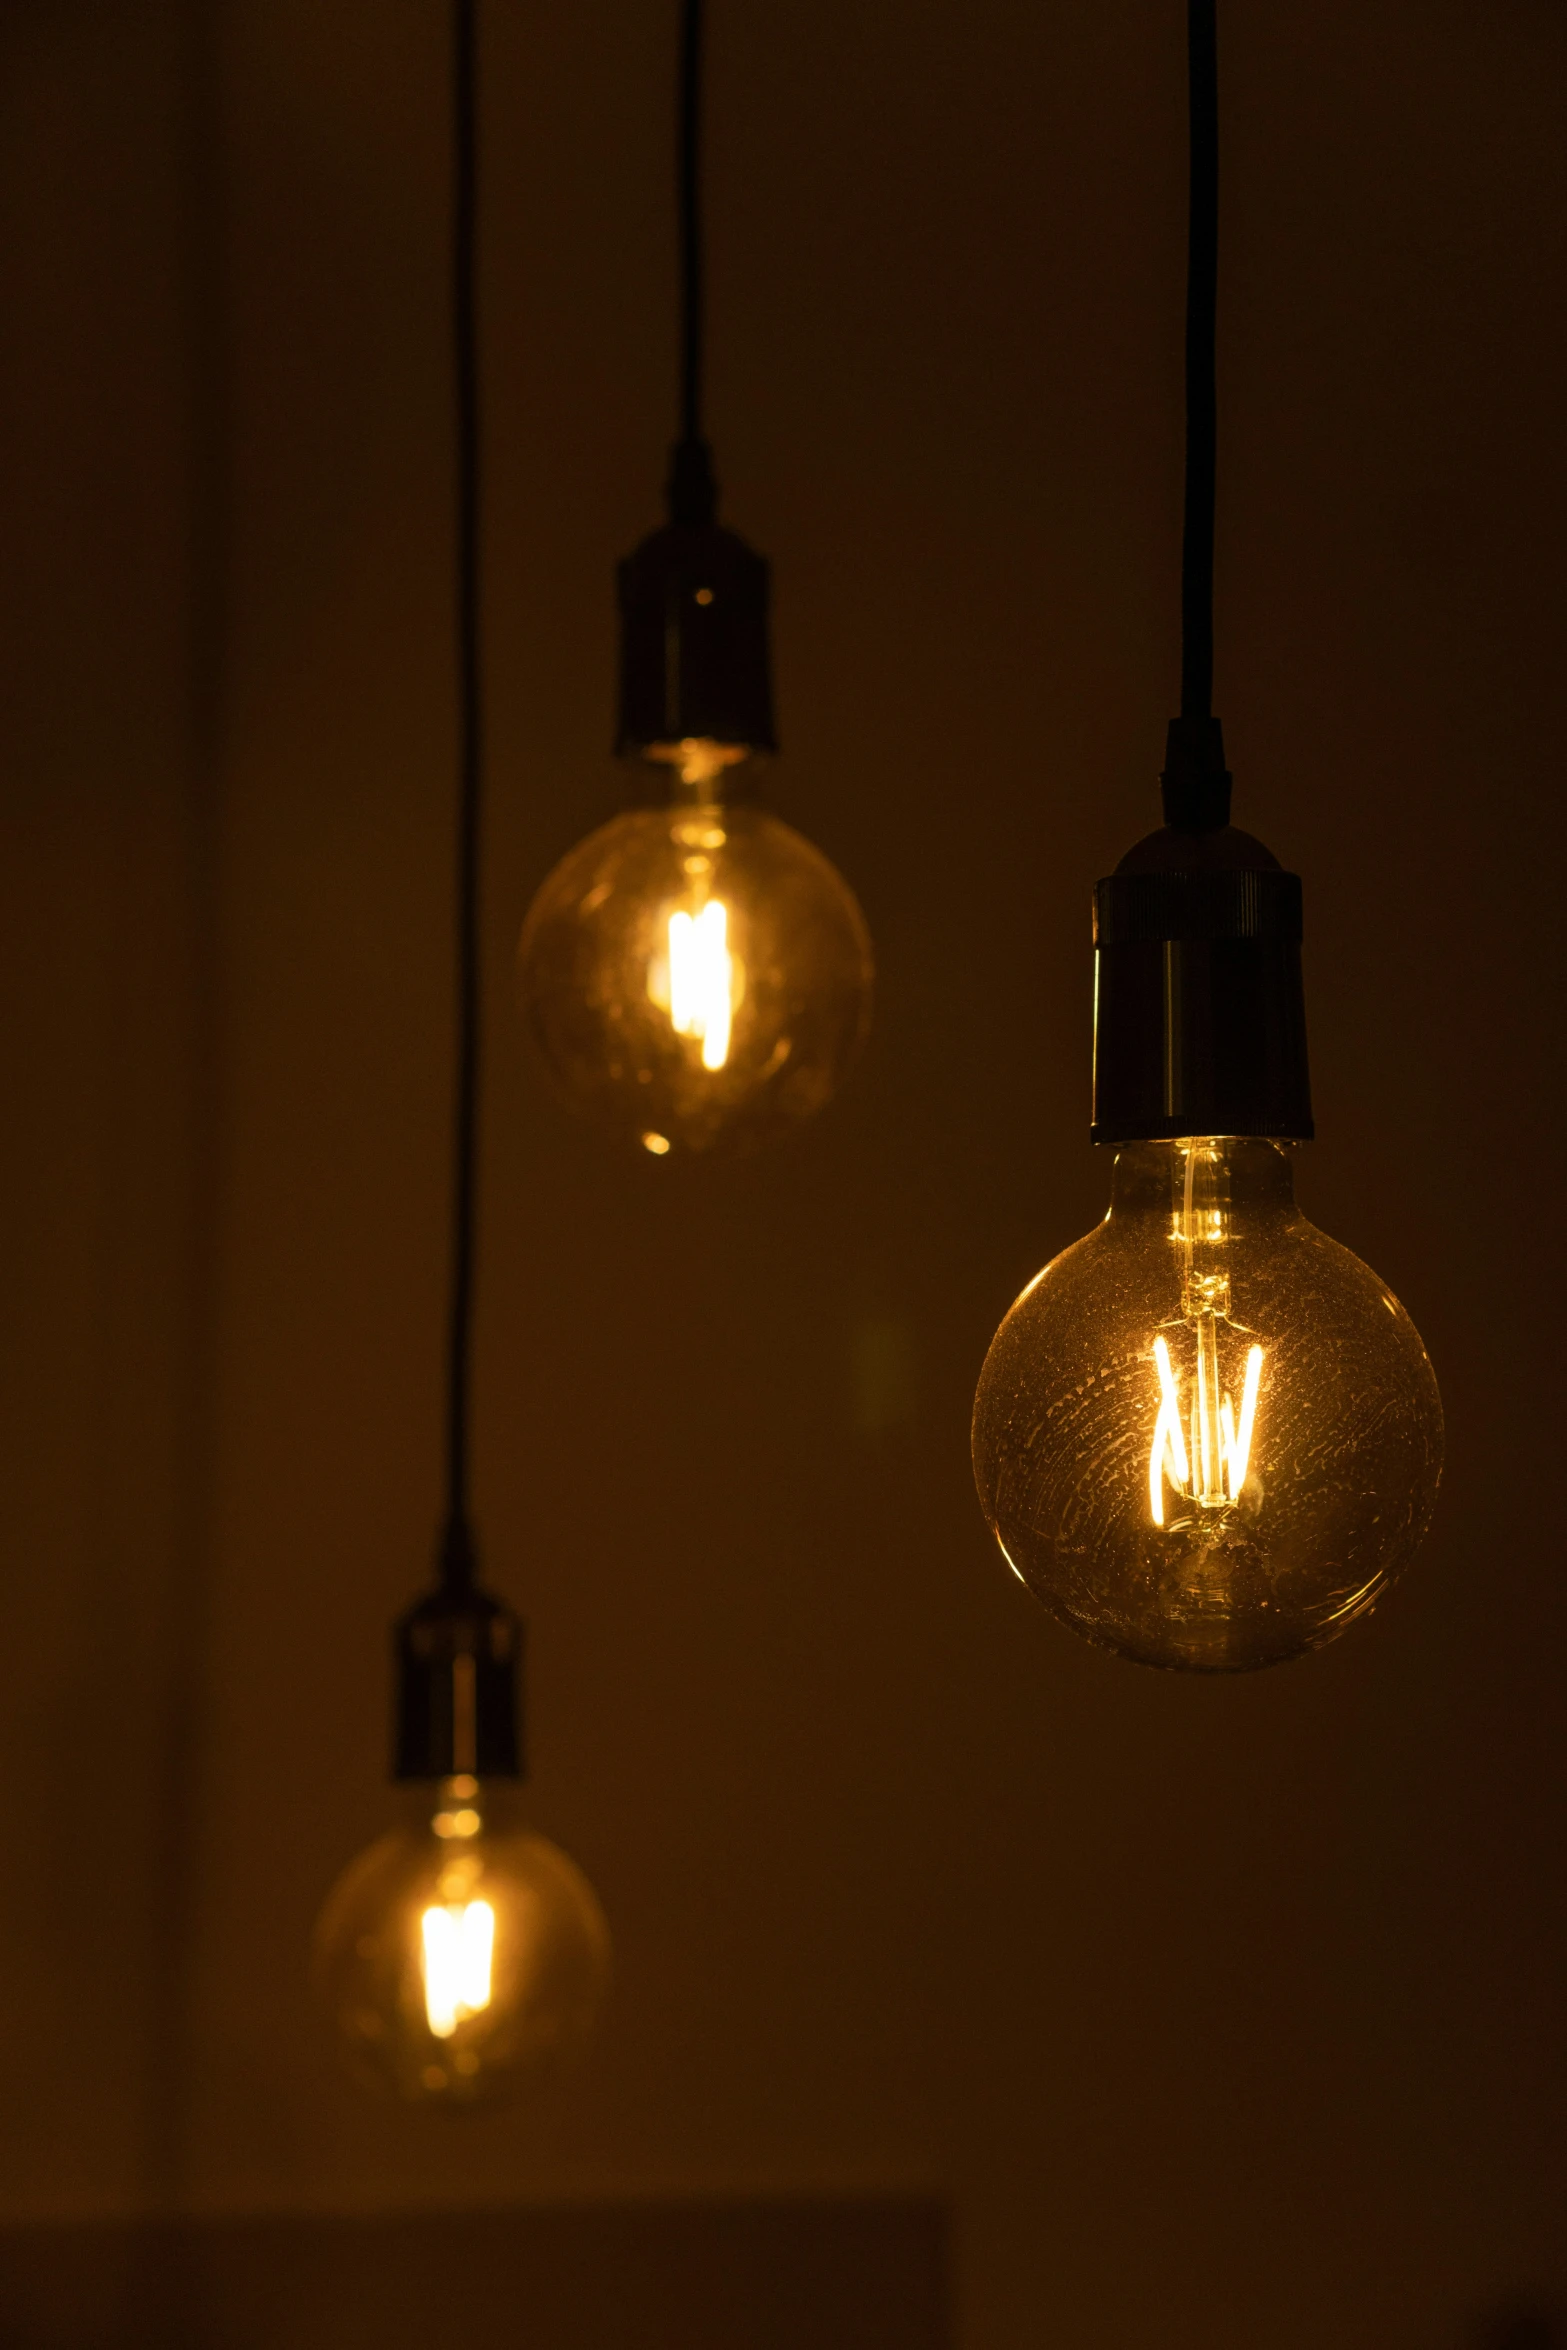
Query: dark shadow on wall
x=1520, y=2325
x=784, y=2276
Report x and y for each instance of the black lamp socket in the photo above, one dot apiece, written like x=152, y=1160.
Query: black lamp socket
x=457, y=1665
x=1199, y=1004
x=695, y=663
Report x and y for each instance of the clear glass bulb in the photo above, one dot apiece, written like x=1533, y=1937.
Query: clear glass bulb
x=1206, y=1435
x=461, y=1956
x=696, y=977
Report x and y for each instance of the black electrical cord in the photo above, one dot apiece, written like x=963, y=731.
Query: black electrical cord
x=457, y=1549
x=1196, y=782
x=693, y=494
x=689, y=194
x=1202, y=274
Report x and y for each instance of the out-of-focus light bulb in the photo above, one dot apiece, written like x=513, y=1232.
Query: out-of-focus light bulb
x=1206, y=1435
x=461, y=1957
x=700, y=983
x=696, y=977
x=457, y=1938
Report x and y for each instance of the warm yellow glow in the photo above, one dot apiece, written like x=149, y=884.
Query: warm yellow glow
x=1211, y=1465
x=701, y=979
x=457, y=1823
x=1214, y=1473
x=597, y=988
x=459, y=1942
x=1240, y=1444
x=1202, y=1436
x=1169, y=1452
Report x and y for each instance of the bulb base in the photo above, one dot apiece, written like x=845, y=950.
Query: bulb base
x=1199, y=1007
x=457, y=1666
x=694, y=656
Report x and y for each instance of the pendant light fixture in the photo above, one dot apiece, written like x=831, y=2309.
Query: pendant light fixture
x=461, y=1954
x=1206, y=1435
x=695, y=976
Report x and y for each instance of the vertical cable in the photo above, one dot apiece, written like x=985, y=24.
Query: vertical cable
x=688, y=170
x=693, y=493
x=1202, y=273
x=457, y=1549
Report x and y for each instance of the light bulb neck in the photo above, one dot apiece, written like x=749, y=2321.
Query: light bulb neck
x=700, y=773
x=1193, y=1183
x=1196, y=784
x=458, y=1811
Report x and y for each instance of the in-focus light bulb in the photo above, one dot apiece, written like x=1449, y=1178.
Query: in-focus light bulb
x=1206, y=1435
x=461, y=1957
x=696, y=976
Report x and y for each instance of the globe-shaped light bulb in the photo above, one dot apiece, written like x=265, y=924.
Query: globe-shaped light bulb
x=696, y=976
x=1206, y=1435
x=461, y=1957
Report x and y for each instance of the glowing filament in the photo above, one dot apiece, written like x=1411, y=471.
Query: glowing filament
x=701, y=978
x=1220, y=1452
x=1240, y=1439
x=1168, y=1457
x=459, y=1940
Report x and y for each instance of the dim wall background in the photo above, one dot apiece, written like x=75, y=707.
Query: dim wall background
x=1222, y=2013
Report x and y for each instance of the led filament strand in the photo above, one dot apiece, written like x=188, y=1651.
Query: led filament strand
x=1220, y=1445
x=701, y=979
x=1204, y=1452
x=458, y=1939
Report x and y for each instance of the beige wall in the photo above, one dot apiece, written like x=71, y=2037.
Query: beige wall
x=1228, y=2014
x=104, y=932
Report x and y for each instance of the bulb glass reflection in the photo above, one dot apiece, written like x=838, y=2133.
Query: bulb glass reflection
x=695, y=977
x=1206, y=1435
x=462, y=1957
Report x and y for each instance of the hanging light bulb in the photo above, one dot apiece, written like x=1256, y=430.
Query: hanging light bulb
x=1206, y=1435
x=695, y=976
x=462, y=1955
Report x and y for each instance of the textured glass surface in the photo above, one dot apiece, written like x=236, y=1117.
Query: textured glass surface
x=695, y=977
x=461, y=1956
x=1206, y=1435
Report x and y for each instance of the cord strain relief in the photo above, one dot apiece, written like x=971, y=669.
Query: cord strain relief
x=692, y=488
x=457, y=1555
x=1196, y=783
